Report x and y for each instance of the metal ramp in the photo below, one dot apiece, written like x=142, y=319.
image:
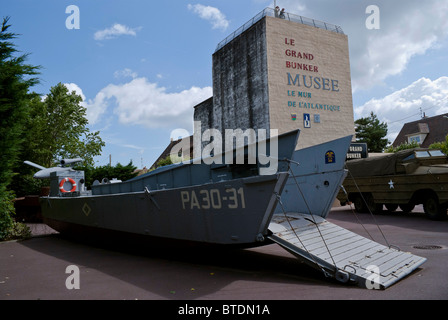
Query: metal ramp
x=340, y=253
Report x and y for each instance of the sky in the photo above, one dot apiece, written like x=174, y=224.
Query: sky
x=141, y=65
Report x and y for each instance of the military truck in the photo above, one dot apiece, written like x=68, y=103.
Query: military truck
x=403, y=179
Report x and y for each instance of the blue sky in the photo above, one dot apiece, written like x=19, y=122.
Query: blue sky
x=141, y=66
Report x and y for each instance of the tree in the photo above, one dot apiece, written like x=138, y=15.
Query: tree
x=164, y=162
x=119, y=172
x=169, y=160
x=14, y=102
x=58, y=129
x=369, y=130
x=16, y=78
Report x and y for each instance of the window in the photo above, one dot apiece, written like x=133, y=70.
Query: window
x=436, y=153
x=422, y=154
x=414, y=139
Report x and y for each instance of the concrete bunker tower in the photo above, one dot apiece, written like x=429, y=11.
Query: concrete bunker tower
x=284, y=74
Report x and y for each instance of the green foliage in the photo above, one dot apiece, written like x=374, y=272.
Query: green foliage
x=402, y=146
x=164, y=162
x=369, y=130
x=57, y=129
x=24, y=184
x=9, y=229
x=119, y=172
x=18, y=231
x=14, y=102
x=168, y=160
x=16, y=78
x=6, y=214
x=443, y=146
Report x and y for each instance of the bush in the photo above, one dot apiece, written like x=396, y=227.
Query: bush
x=9, y=229
x=16, y=78
x=443, y=146
x=119, y=172
x=402, y=146
x=6, y=213
x=169, y=160
x=19, y=231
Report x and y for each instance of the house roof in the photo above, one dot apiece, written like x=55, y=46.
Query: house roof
x=168, y=149
x=435, y=129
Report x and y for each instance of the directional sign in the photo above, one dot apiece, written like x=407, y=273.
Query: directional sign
x=357, y=151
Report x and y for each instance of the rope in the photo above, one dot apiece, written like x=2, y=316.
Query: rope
x=354, y=213
x=312, y=216
x=298, y=238
x=371, y=214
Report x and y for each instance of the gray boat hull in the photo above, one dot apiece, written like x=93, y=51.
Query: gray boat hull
x=235, y=212
x=316, y=175
x=192, y=203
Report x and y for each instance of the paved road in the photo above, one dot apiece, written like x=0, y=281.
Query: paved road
x=36, y=268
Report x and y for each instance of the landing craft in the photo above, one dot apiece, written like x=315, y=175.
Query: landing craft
x=230, y=205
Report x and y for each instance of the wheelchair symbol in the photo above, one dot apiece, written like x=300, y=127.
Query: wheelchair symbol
x=306, y=120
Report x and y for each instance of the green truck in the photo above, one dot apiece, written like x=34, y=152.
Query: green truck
x=403, y=179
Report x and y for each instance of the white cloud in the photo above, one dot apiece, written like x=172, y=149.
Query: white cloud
x=140, y=102
x=411, y=32
x=115, y=31
x=404, y=105
x=74, y=87
x=140, y=150
x=292, y=6
x=408, y=28
x=125, y=73
x=95, y=108
x=211, y=14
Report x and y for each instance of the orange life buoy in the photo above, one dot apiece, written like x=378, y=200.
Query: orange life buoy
x=63, y=181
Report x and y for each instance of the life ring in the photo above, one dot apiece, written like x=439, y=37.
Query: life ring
x=63, y=181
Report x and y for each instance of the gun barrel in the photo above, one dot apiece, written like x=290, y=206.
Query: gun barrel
x=34, y=165
x=70, y=161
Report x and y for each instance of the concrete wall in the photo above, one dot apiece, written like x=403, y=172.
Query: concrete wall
x=240, y=84
x=203, y=112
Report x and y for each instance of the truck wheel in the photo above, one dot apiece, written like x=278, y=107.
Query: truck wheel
x=360, y=206
x=407, y=207
x=391, y=207
x=433, y=209
x=374, y=207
